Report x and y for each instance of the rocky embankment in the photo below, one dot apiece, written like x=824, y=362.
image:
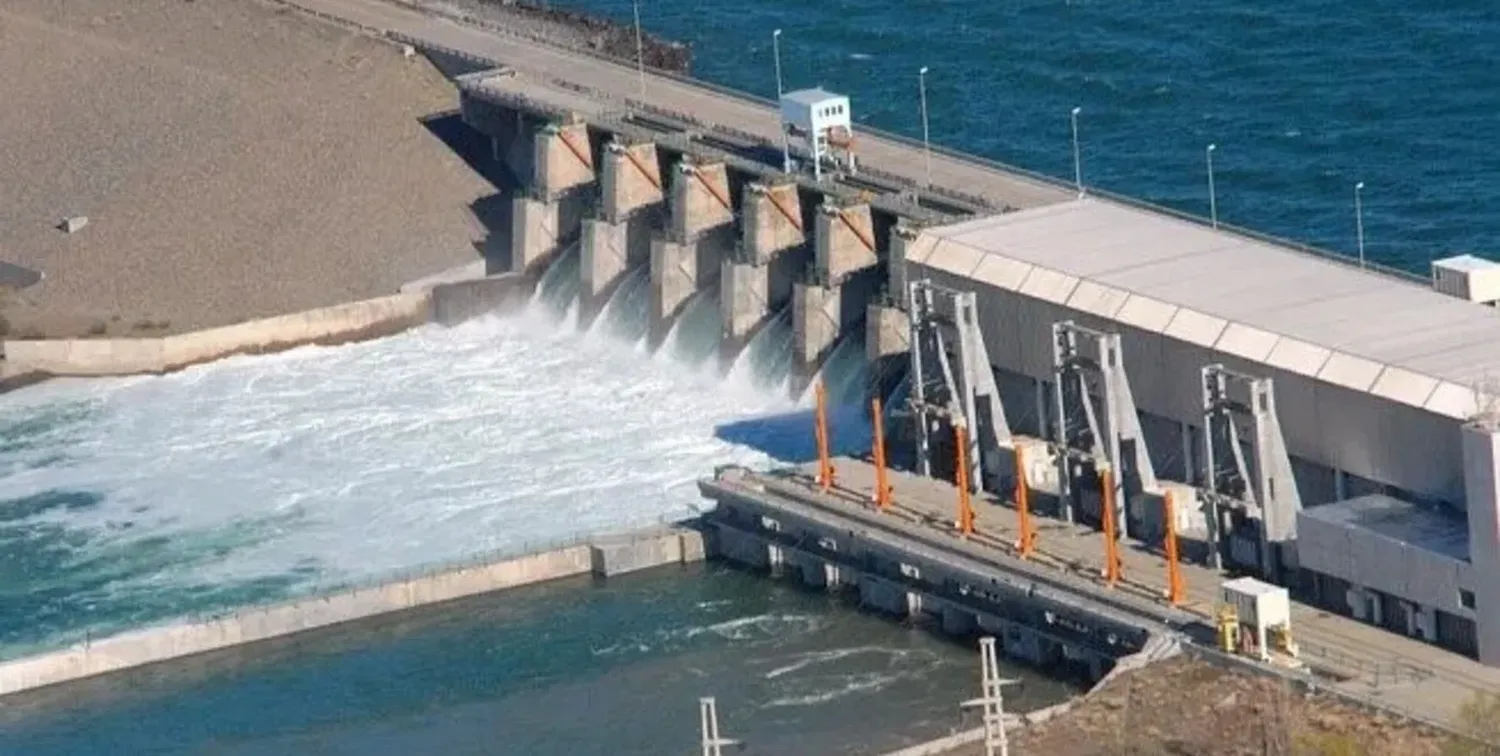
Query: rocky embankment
x=615, y=39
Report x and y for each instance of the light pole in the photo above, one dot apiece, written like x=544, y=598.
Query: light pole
x=786, y=147
x=1077, y=155
x=926, y=141
x=1213, y=200
x=1359, y=221
x=776, y=53
x=640, y=49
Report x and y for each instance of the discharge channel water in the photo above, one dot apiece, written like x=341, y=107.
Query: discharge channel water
x=127, y=502
x=561, y=669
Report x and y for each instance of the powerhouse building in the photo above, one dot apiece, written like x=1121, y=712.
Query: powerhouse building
x=1368, y=454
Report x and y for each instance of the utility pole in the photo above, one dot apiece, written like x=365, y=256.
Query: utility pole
x=1359, y=221
x=1077, y=155
x=786, y=146
x=1213, y=200
x=640, y=49
x=926, y=139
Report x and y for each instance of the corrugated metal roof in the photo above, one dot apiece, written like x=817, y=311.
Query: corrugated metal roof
x=1441, y=532
x=1244, y=296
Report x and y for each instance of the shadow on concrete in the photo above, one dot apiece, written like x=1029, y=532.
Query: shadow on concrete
x=789, y=437
x=453, y=66
x=493, y=211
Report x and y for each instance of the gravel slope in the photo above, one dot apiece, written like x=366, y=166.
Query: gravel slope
x=234, y=160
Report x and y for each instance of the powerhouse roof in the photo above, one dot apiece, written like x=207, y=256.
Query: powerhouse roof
x=1239, y=295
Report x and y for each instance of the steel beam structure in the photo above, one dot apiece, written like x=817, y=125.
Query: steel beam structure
x=1256, y=490
x=1095, y=422
x=952, y=382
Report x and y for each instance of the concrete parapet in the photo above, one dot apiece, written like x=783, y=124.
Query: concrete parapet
x=772, y=221
x=454, y=303
x=564, y=160
x=844, y=241
x=341, y=323
x=631, y=181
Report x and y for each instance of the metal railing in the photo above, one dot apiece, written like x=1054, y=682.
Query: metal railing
x=1375, y=672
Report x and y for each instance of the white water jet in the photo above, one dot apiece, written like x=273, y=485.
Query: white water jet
x=345, y=463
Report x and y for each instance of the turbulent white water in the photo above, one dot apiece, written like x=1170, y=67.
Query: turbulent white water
x=124, y=501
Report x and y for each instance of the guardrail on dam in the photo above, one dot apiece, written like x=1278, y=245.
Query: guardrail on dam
x=604, y=556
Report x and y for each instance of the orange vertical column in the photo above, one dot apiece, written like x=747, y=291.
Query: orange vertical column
x=1111, y=546
x=1027, y=543
x=825, y=464
x=961, y=477
x=1176, y=589
x=882, y=485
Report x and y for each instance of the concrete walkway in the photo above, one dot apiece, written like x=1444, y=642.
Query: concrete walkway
x=1411, y=676
x=707, y=104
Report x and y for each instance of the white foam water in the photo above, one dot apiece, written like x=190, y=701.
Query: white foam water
x=355, y=461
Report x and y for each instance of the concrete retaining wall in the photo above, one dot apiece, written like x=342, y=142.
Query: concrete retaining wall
x=652, y=548
x=456, y=301
x=353, y=321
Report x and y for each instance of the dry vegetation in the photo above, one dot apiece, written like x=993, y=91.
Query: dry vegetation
x=235, y=160
x=1190, y=708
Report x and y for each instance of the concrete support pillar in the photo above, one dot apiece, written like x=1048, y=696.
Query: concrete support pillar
x=844, y=264
x=699, y=237
x=564, y=160
x=618, y=238
x=773, y=222
x=913, y=604
x=775, y=559
x=821, y=313
x=844, y=241
x=903, y=238
x=887, y=346
x=817, y=321
x=757, y=282
x=547, y=216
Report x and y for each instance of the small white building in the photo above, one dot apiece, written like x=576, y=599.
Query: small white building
x=820, y=121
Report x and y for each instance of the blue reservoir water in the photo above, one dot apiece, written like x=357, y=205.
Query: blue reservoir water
x=1303, y=98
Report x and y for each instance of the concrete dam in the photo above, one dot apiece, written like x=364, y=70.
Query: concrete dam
x=1275, y=391
x=1121, y=369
